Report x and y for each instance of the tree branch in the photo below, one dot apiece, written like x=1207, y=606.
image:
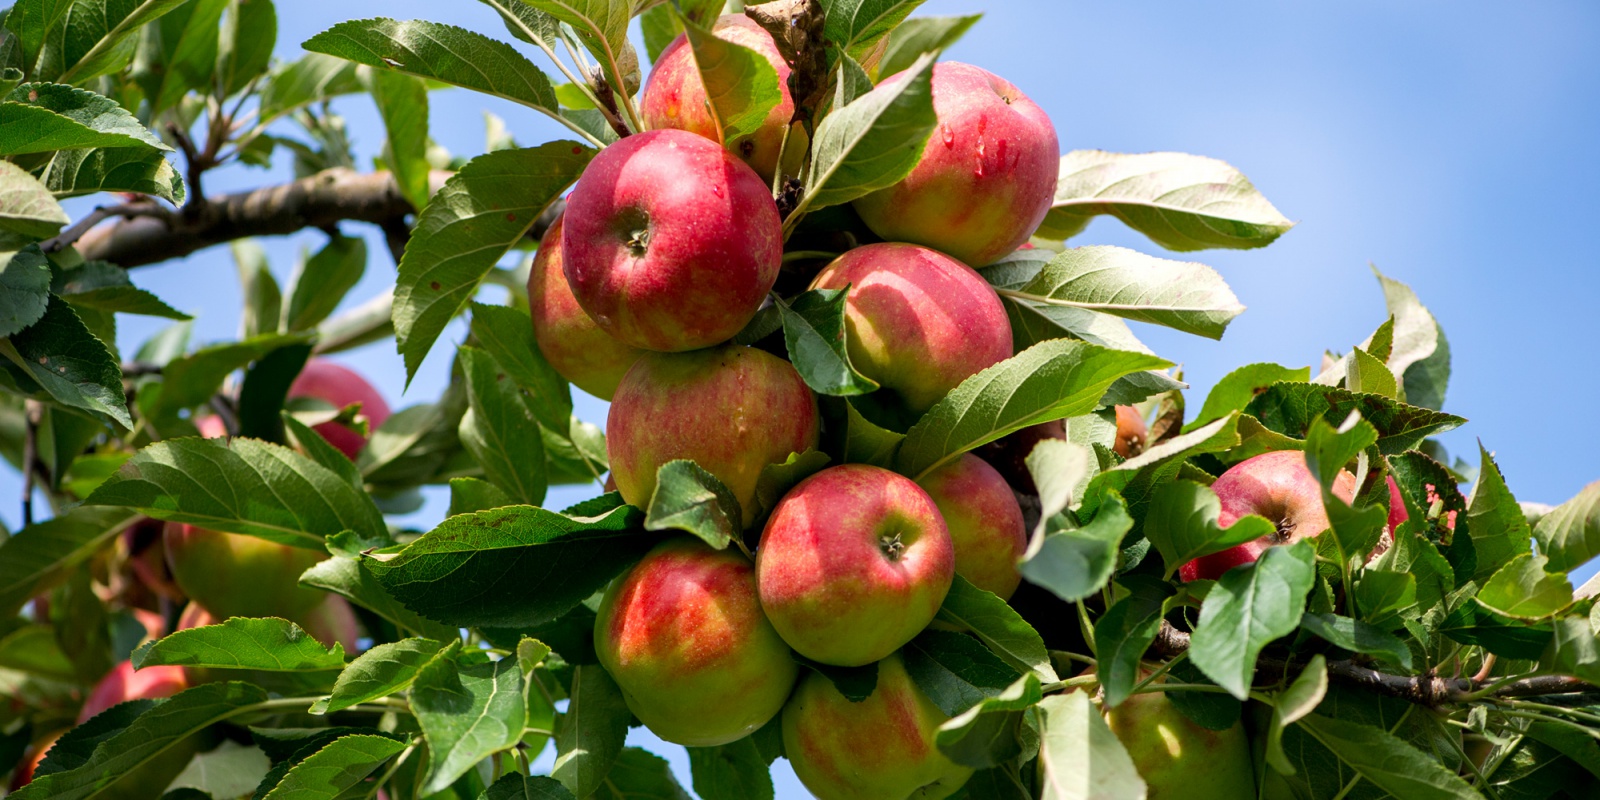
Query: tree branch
x=318, y=201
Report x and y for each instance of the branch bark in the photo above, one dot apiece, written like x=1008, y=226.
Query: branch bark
x=319, y=201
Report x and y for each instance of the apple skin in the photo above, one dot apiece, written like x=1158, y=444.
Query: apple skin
x=731, y=409
x=233, y=575
x=987, y=175
x=683, y=634
x=1131, y=432
x=675, y=97
x=1278, y=486
x=669, y=242
x=853, y=563
x=124, y=683
x=984, y=520
x=340, y=386
x=881, y=748
x=919, y=322
x=1176, y=757
x=574, y=345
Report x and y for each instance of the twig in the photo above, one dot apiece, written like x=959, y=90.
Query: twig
x=197, y=164
x=133, y=369
x=71, y=235
x=607, y=103
x=397, y=235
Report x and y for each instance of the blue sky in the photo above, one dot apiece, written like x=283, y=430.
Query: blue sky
x=1453, y=145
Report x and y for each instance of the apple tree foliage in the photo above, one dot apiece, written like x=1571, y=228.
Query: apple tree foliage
x=1458, y=663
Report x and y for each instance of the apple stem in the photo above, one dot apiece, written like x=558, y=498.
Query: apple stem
x=891, y=546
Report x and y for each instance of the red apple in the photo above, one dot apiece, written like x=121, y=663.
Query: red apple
x=684, y=636
x=919, y=322
x=987, y=176
x=853, y=563
x=340, y=386
x=733, y=410
x=124, y=683
x=675, y=97
x=233, y=575
x=573, y=344
x=670, y=243
x=1131, y=432
x=984, y=520
x=1278, y=486
x=877, y=749
x=1176, y=757
x=212, y=427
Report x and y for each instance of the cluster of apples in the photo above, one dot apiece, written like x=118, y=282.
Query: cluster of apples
x=668, y=247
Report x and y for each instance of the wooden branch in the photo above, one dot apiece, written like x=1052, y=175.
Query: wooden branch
x=322, y=200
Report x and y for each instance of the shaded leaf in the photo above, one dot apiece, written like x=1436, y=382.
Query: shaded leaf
x=814, y=332
x=1079, y=757
x=873, y=142
x=1247, y=608
x=690, y=499
x=1182, y=523
x=998, y=626
x=467, y=711
x=271, y=644
x=1076, y=563
x=1358, y=637
x=592, y=731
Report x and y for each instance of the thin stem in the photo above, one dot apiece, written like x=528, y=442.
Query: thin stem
x=394, y=767
x=1181, y=687
x=1589, y=732
x=1162, y=670
x=1571, y=712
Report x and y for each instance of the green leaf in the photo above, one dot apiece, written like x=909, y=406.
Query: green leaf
x=1572, y=650
x=468, y=495
x=1290, y=407
x=1420, y=356
x=998, y=626
x=602, y=26
x=322, y=281
x=311, y=79
x=499, y=431
x=1570, y=535
x=1470, y=624
x=740, y=84
x=1368, y=375
x=872, y=143
x=24, y=289
x=512, y=786
x=1049, y=381
x=1074, y=564
x=1495, y=521
x=467, y=712
x=1182, y=523
x=814, y=332
x=507, y=333
x=857, y=25
x=1182, y=295
x=346, y=577
x=776, y=480
x=591, y=732
x=271, y=644
x=1249, y=607
x=919, y=35
x=1181, y=202
x=1292, y=705
x=249, y=32
x=858, y=439
x=1061, y=469
x=403, y=104
x=179, y=53
x=1239, y=387
x=165, y=724
x=41, y=556
x=384, y=670
x=41, y=117
x=113, y=169
x=1387, y=761
x=1522, y=589
x=1380, y=595
x=26, y=205
x=1124, y=633
x=97, y=37
x=243, y=486
x=342, y=764
x=191, y=380
x=985, y=735
x=733, y=771
x=853, y=683
x=1079, y=757
x=443, y=53
x=60, y=356
x=474, y=570
x=469, y=224
x=688, y=498
x=1358, y=637
x=640, y=775
x=954, y=670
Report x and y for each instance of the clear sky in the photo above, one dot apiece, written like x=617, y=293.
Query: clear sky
x=1452, y=144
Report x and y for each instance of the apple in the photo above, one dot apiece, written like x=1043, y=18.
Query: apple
x=574, y=345
x=675, y=97
x=124, y=683
x=340, y=386
x=1178, y=758
x=987, y=175
x=853, y=563
x=984, y=520
x=732, y=409
x=919, y=322
x=683, y=634
x=881, y=748
x=233, y=575
x=669, y=242
x=1131, y=432
x=1278, y=486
